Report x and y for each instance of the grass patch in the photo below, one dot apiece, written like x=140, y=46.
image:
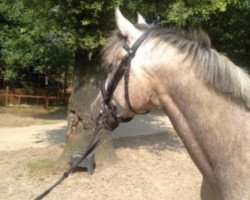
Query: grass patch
x=19, y=117
x=39, y=165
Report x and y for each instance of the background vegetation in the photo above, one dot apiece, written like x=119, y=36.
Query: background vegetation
x=57, y=37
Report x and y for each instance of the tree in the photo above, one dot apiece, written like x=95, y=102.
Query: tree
x=29, y=44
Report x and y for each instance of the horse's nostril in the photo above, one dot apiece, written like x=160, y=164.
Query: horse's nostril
x=127, y=119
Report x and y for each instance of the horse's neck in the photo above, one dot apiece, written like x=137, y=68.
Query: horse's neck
x=214, y=129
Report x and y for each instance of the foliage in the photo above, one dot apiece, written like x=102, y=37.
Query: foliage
x=39, y=38
x=230, y=32
x=29, y=49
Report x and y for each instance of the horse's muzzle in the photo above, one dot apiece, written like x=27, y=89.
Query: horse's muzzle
x=109, y=119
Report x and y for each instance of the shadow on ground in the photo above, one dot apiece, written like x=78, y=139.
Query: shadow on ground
x=55, y=136
x=152, y=132
x=154, y=143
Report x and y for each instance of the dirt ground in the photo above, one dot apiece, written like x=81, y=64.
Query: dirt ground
x=27, y=116
x=147, y=167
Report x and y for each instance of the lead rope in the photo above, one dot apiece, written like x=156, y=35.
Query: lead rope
x=109, y=112
x=95, y=141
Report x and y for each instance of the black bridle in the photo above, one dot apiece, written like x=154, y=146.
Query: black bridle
x=107, y=118
x=108, y=113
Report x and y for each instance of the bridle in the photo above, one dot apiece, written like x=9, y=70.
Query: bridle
x=108, y=114
x=107, y=117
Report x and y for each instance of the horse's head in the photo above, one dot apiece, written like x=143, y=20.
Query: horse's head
x=133, y=96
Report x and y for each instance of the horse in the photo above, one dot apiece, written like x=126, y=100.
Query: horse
x=204, y=94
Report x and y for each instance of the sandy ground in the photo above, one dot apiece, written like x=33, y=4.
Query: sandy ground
x=151, y=166
x=39, y=136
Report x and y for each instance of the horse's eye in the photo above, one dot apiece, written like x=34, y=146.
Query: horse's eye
x=108, y=68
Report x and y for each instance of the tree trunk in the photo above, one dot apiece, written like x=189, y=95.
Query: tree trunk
x=65, y=82
x=80, y=127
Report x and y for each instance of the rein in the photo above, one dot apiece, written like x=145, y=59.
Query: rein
x=95, y=141
x=107, y=118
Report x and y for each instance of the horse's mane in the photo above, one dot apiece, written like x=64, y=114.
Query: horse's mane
x=217, y=70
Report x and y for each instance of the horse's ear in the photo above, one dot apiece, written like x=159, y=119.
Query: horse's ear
x=140, y=19
x=126, y=28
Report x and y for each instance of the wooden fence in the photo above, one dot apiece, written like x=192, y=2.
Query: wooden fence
x=17, y=99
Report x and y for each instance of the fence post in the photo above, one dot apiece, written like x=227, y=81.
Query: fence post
x=7, y=96
x=46, y=102
x=19, y=100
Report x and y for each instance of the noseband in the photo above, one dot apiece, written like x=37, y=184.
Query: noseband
x=108, y=113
